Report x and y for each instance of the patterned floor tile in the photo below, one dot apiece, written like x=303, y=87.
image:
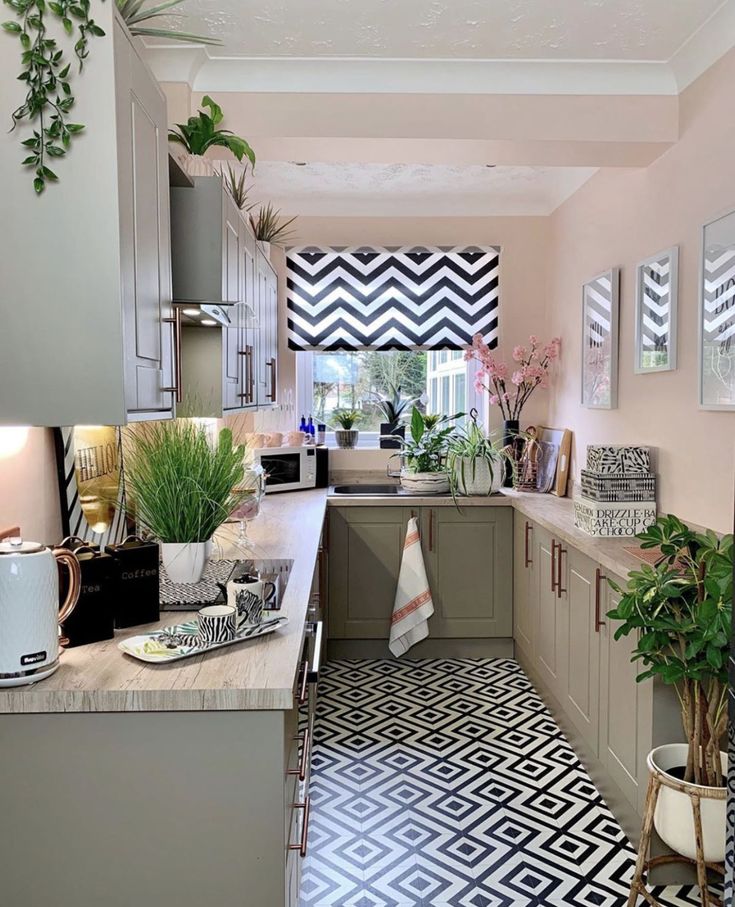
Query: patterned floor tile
x=447, y=783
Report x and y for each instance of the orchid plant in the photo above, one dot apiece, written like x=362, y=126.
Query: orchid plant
x=510, y=390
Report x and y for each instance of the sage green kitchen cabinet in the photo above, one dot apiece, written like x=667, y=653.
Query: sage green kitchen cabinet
x=468, y=556
x=580, y=675
x=365, y=547
x=267, y=349
x=468, y=559
x=84, y=338
x=525, y=584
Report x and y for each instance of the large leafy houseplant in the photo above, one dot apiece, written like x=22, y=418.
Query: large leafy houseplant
x=200, y=133
x=181, y=486
x=425, y=448
x=681, y=608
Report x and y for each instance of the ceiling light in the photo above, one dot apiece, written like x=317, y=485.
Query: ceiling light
x=209, y=322
x=192, y=313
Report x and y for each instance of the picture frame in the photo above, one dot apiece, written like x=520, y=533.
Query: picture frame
x=91, y=485
x=717, y=314
x=656, y=305
x=600, y=327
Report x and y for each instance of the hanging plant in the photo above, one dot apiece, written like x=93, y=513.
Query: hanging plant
x=200, y=133
x=49, y=96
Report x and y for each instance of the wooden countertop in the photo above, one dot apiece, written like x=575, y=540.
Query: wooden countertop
x=253, y=675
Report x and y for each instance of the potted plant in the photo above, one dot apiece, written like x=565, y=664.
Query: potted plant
x=346, y=435
x=424, y=453
x=475, y=463
x=181, y=487
x=681, y=609
x=200, y=133
x=510, y=391
x=392, y=406
x=269, y=227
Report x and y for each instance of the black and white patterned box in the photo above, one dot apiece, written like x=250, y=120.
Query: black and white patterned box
x=624, y=487
x=611, y=519
x=607, y=459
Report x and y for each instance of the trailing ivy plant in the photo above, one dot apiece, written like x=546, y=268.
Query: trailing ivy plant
x=200, y=133
x=46, y=74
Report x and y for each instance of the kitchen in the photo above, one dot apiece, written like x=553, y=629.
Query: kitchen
x=504, y=757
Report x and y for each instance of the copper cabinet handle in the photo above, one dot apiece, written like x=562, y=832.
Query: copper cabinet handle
x=528, y=560
x=431, y=529
x=301, y=846
x=176, y=388
x=559, y=552
x=271, y=363
x=304, y=682
x=244, y=394
x=304, y=760
x=252, y=374
x=599, y=576
x=248, y=379
x=553, y=562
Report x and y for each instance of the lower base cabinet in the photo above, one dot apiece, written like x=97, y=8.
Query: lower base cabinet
x=565, y=640
x=466, y=553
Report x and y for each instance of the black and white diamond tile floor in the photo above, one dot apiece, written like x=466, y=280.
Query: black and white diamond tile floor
x=447, y=783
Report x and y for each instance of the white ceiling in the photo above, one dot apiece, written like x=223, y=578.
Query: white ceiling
x=450, y=29
x=418, y=190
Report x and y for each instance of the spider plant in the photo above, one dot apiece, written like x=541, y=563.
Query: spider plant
x=476, y=463
x=135, y=13
x=268, y=225
x=235, y=185
x=181, y=486
x=200, y=133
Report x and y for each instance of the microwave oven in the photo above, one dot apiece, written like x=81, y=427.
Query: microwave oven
x=293, y=468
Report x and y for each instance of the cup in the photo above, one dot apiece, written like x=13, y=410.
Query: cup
x=295, y=438
x=255, y=440
x=216, y=624
x=274, y=439
x=251, y=597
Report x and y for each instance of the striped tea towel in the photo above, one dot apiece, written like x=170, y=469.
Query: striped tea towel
x=413, y=605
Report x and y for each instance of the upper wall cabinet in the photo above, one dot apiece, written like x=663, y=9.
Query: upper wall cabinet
x=216, y=261
x=86, y=275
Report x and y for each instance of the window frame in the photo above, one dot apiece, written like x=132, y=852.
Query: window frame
x=369, y=440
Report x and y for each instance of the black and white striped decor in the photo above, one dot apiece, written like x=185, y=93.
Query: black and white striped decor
x=73, y=521
x=391, y=298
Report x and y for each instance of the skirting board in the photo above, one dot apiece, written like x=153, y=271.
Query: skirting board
x=630, y=821
x=427, y=648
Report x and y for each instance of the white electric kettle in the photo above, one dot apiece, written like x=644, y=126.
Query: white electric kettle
x=29, y=609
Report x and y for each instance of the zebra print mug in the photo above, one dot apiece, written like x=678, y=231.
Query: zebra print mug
x=216, y=624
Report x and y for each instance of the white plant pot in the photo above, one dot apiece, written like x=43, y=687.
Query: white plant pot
x=673, y=818
x=425, y=482
x=185, y=561
x=474, y=476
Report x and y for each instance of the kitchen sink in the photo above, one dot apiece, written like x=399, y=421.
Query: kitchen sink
x=365, y=489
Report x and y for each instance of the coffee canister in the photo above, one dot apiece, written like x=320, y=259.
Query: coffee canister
x=137, y=601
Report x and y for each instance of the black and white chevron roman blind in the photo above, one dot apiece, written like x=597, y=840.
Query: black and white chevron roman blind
x=411, y=298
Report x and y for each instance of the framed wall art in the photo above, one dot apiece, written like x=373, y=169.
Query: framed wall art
x=91, y=488
x=600, y=305
x=717, y=315
x=657, y=281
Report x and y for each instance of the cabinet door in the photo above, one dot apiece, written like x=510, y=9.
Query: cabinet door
x=549, y=626
x=525, y=584
x=467, y=557
x=581, y=673
x=365, y=547
x=231, y=283
x=145, y=242
x=626, y=707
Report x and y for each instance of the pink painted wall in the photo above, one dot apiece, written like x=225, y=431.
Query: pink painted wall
x=29, y=494
x=616, y=219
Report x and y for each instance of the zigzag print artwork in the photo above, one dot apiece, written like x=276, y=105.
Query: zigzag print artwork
x=657, y=297
x=718, y=317
x=391, y=298
x=600, y=341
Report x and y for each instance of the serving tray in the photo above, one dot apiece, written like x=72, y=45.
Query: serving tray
x=180, y=641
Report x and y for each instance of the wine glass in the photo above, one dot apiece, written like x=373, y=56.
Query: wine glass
x=249, y=507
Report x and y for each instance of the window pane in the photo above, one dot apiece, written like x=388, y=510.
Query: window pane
x=460, y=396
x=346, y=380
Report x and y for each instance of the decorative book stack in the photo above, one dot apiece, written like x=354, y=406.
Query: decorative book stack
x=618, y=491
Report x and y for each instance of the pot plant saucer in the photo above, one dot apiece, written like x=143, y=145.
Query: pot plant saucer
x=180, y=641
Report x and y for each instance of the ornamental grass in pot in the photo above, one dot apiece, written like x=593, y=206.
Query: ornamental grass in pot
x=182, y=486
x=476, y=464
x=346, y=435
x=681, y=609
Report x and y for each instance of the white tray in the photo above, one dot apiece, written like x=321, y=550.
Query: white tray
x=148, y=648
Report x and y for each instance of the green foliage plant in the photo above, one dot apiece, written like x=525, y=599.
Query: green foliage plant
x=346, y=418
x=200, y=133
x=136, y=14
x=681, y=610
x=269, y=226
x=425, y=449
x=469, y=446
x=393, y=406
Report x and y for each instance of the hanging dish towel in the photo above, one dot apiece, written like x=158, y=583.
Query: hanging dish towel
x=413, y=605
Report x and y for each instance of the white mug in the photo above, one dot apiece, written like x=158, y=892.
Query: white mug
x=250, y=596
